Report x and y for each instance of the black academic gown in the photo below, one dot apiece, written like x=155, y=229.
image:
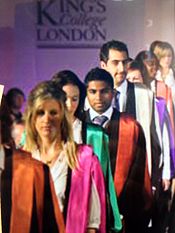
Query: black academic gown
x=132, y=181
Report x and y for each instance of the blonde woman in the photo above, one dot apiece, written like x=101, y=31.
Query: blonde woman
x=28, y=201
x=165, y=54
x=76, y=172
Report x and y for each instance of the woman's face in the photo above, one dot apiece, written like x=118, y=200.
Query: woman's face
x=18, y=101
x=166, y=60
x=73, y=97
x=151, y=67
x=134, y=76
x=48, y=119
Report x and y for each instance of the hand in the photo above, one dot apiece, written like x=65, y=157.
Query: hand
x=134, y=76
x=173, y=186
x=91, y=230
x=165, y=184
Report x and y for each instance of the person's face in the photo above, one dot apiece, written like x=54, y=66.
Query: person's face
x=166, y=60
x=99, y=95
x=116, y=65
x=134, y=76
x=73, y=97
x=151, y=67
x=18, y=101
x=48, y=119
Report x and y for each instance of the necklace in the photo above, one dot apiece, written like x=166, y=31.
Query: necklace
x=50, y=161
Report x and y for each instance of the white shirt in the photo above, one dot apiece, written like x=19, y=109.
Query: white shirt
x=153, y=86
x=77, y=131
x=108, y=114
x=86, y=104
x=169, y=79
x=59, y=172
x=166, y=154
x=123, y=95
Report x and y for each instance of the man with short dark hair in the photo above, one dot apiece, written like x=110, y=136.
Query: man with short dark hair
x=127, y=151
x=134, y=99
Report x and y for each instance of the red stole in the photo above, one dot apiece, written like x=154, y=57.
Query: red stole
x=128, y=148
x=21, y=213
x=29, y=179
x=125, y=154
x=162, y=90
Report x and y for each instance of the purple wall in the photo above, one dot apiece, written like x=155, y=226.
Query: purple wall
x=23, y=64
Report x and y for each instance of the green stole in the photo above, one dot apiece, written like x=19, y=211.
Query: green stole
x=96, y=137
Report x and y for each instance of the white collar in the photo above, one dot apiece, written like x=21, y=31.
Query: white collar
x=153, y=86
x=123, y=87
x=159, y=75
x=107, y=113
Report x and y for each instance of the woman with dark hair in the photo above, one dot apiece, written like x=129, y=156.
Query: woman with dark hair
x=69, y=78
x=89, y=134
x=149, y=65
x=75, y=91
x=166, y=167
x=6, y=123
x=28, y=201
x=15, y=99
x=134, y=74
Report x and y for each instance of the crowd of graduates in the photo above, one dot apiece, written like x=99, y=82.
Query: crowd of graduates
x=93, y=154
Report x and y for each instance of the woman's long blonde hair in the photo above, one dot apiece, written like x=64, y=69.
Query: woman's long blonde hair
x=162, y=49
x=44, y=91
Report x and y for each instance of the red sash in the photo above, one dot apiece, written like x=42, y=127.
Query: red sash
x=127, y=147
x=164, y=91
x=127, y=133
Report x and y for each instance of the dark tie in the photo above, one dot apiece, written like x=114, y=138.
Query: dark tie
x=100, y=120
x=117, y=97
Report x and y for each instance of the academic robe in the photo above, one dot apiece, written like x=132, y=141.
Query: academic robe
x=161, y=197
x=164, y=118
x=162, y=90
x=94, y=135
x=140, y=105
x=171, y=218
x=28, y=199
x=129, y=167
x=79, y=197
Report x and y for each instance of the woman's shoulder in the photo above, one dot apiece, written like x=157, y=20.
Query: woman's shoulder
x=86, y=152
x=84, y=149
x=86, y=156
x=21, y=156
